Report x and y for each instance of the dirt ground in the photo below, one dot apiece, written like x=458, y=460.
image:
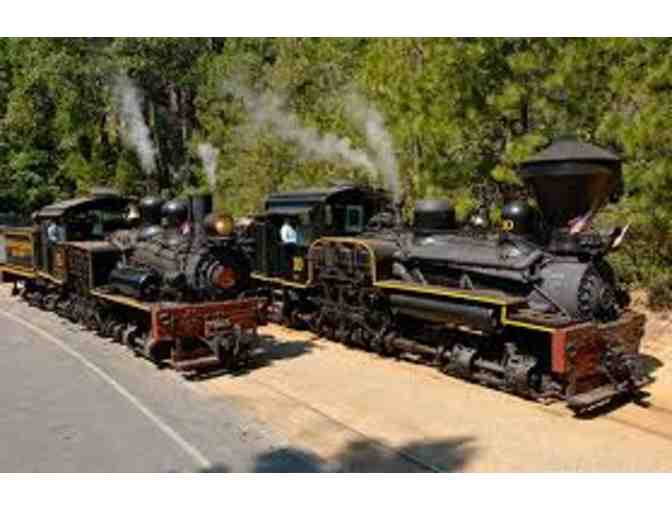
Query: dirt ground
x=658, y=338
x=343, y=404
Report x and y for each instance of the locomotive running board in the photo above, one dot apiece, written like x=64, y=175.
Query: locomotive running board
x=279, y=281
x=122, y=300
x=466, y=294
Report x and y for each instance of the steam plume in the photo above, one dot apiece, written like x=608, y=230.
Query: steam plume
x=379, y=141
x=208, y=155
x=270, y=110
x=135, y=133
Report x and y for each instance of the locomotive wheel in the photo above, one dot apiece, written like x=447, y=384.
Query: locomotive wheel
x=356, y=337
x=50, y=302
x=106, y=328
x=99, y=322
x=89, y=318
x=461, y=361
x=389, y=346
x=39, y=300
x=35, y=299
x=378, y=344
x=342, y=333
x=291, y=319
x=128, y=337
x=314, y=323
x=327, y=331
x=118, y=333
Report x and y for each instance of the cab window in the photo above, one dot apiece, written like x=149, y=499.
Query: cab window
x=305, y=230
x=354, y=218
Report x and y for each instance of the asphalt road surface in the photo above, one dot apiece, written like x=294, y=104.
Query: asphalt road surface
x=70, y=404
x=71, y=401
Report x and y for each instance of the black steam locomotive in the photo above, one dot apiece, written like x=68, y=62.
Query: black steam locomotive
x=166, y=288
x=534, y=309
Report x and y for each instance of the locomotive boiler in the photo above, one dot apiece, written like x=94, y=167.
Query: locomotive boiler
x=534, y=309
x=193, y=257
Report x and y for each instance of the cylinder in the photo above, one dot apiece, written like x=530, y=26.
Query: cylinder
x=201, y=206
x=473, y=316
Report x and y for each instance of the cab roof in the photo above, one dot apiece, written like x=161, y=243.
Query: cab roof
x=56, y=210
x=299, y=201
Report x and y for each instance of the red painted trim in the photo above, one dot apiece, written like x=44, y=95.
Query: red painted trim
x=558, y=356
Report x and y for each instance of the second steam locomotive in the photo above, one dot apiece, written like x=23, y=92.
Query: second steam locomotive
x=535, y=309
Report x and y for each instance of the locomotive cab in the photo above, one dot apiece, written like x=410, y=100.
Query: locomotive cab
x=88, y=218
x=310, y=214
x=40, y=250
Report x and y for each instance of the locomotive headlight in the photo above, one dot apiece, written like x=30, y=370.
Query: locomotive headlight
x=218, y=224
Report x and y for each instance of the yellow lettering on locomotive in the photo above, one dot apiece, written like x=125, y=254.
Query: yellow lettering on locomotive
x=298, y=264
x=508, y=225
x=19, y=249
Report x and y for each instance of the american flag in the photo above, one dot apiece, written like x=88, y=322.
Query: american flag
x=580, y=223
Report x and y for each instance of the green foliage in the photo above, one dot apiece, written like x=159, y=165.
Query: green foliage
x=660, y=292
x=462, y=113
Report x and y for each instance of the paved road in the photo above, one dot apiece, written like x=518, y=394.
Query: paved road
x=70, y=402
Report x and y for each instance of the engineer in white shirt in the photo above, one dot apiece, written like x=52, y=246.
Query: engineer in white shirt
x=287, y=233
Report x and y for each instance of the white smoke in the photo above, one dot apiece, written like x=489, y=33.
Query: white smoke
x=270, y=110
x=208, y=155
x=379, y=141
x=135, y=133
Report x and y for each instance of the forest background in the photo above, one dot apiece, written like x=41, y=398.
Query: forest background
x=432, y=117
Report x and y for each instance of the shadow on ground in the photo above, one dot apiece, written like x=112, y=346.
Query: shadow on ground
x=269, y=351
x=273, y=350
x=368, y=456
